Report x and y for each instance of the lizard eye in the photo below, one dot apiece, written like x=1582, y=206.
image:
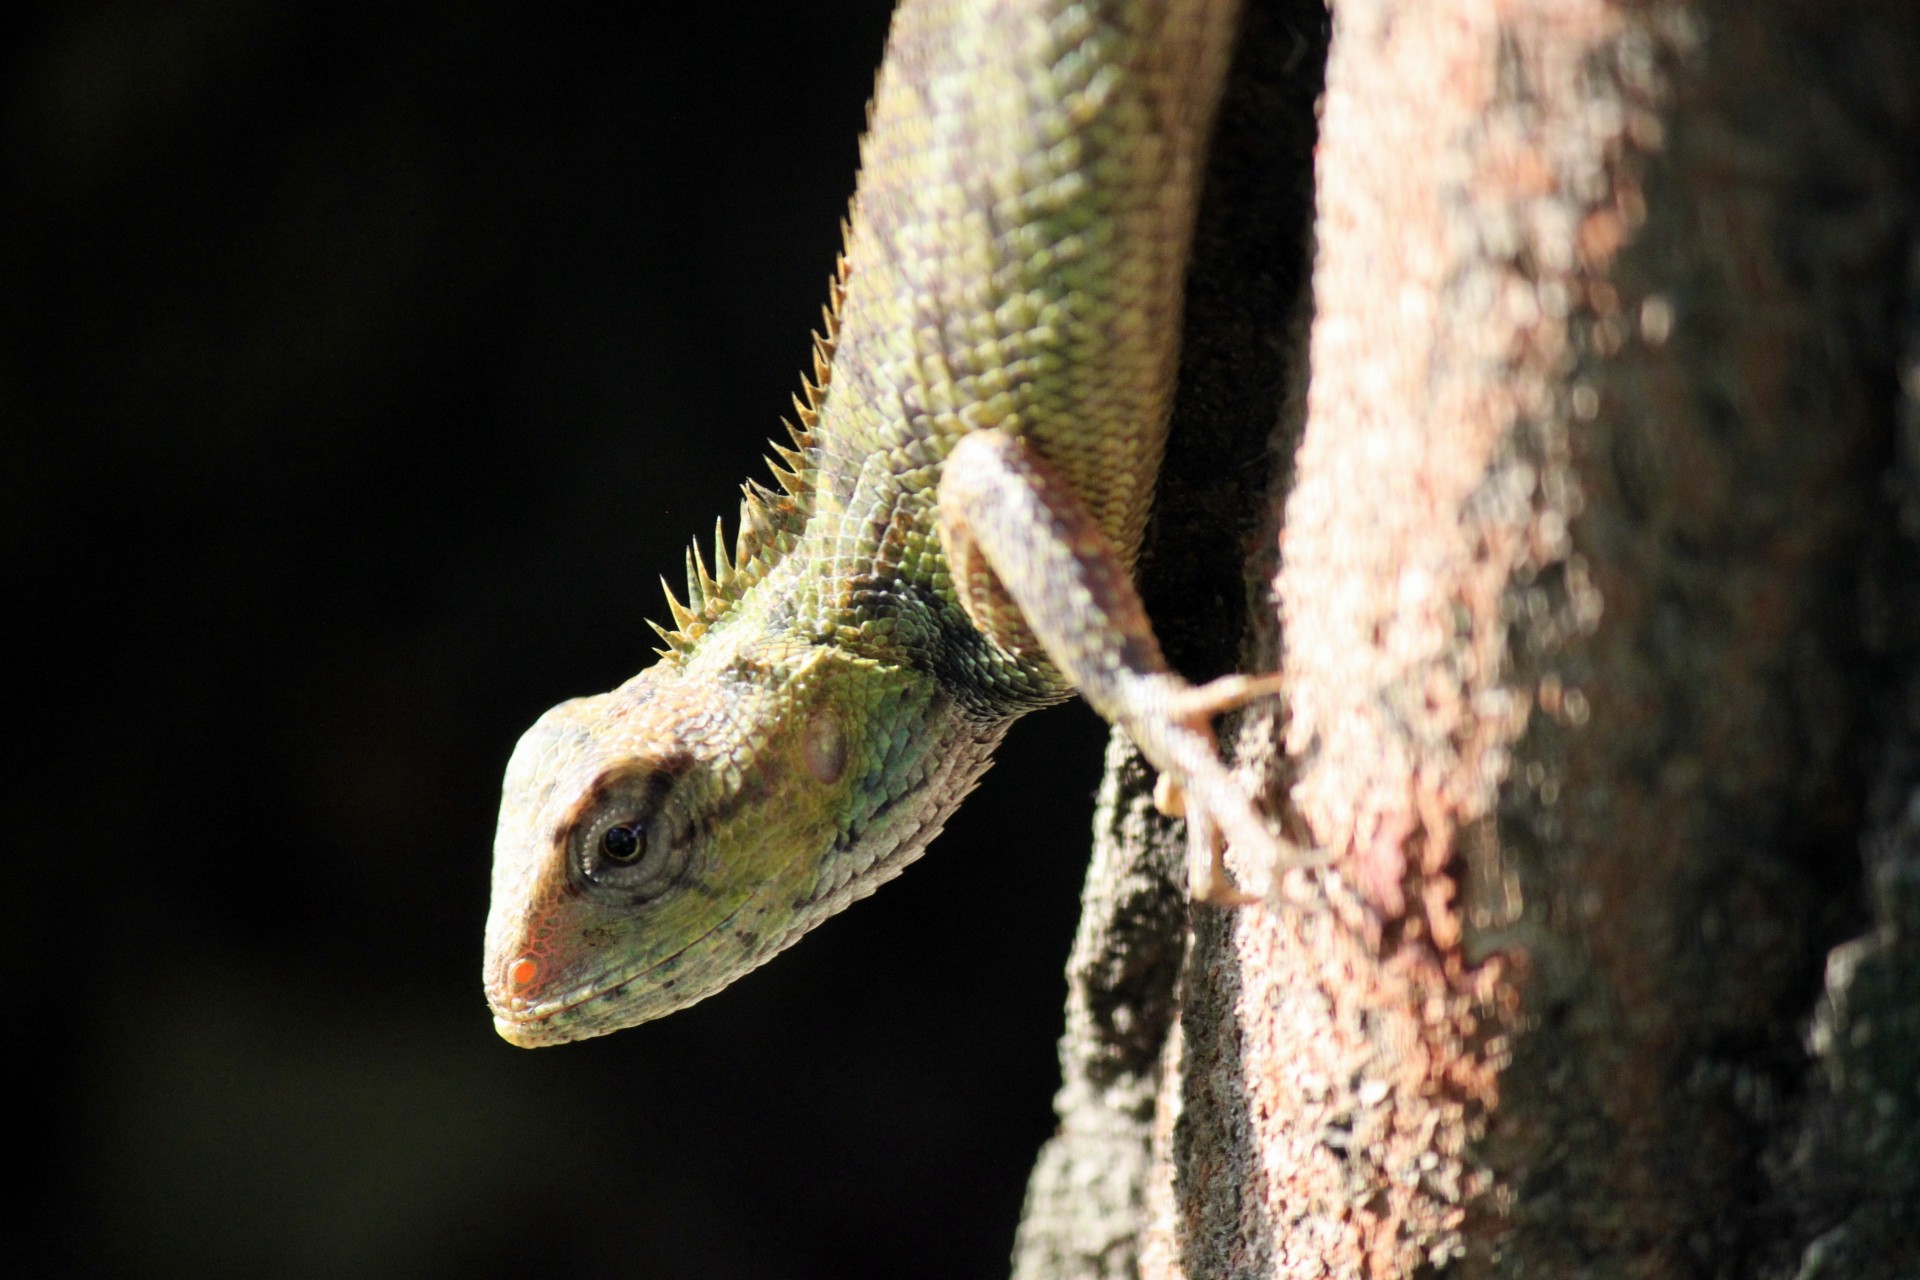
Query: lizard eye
x=627, y=859
x=625, y=844
x=626, y=848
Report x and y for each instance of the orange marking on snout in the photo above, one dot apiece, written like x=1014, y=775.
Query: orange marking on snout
x=523, y=971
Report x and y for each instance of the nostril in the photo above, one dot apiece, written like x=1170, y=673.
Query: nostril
x=523, y=971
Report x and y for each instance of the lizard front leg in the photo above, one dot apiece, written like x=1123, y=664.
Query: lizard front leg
x=1033, y=568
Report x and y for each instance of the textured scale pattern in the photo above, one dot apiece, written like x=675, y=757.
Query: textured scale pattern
x=824, y=700
x=1018, y=246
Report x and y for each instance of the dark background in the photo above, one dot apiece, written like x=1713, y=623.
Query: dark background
x=362, y=369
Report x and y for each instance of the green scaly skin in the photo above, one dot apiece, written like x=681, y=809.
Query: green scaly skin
x=829, y=694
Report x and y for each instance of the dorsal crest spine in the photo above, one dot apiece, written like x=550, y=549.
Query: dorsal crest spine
x=770, y=521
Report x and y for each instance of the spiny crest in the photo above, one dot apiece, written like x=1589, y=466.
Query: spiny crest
x=770, y=521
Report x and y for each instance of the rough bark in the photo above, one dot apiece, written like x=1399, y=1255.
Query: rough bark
x=1598, y=622
x=1084, y=1203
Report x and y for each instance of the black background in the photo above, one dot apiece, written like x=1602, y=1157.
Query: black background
x=362, y=369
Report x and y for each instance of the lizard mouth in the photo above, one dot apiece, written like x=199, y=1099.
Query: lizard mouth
x=568, y=1017
x=552, y=1024
x=591, y=1010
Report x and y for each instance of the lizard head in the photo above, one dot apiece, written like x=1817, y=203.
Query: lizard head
x=659, y=841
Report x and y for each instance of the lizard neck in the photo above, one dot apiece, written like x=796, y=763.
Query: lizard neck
x=869, y=580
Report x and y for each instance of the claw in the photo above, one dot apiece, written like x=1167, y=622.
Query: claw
x=1208, y=880
x=1169, y=797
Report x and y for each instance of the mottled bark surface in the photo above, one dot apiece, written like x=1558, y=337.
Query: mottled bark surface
x=1599, y=631
x=1084, y=1205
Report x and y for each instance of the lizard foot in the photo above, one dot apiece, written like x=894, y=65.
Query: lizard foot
x=1208, y=879
x=1030, y=564
x=1226, y=806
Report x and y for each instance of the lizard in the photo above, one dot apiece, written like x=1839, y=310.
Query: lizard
x=950, y=545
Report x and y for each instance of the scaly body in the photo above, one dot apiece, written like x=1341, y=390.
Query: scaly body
x=962, y=505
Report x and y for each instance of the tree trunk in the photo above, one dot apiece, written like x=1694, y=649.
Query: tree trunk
x=1590, y=543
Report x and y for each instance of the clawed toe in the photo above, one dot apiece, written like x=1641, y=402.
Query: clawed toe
x=1215, y=818
x=1169, y=797
x=1199, y=704
x=1208, y=880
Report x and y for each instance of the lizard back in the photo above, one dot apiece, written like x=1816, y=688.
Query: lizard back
x=1016, y=259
